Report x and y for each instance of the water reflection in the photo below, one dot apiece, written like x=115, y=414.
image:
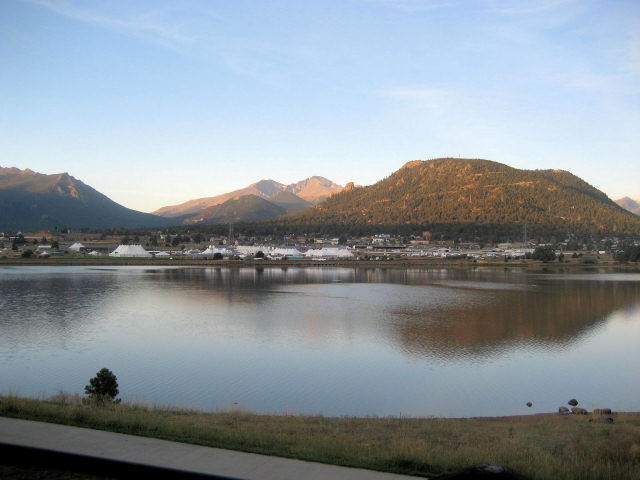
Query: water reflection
x=331, y=340
x=551, y=314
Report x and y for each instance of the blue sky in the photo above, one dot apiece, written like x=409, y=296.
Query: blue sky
x=158, y=102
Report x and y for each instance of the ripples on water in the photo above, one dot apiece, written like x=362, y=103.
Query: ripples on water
x=326, y=340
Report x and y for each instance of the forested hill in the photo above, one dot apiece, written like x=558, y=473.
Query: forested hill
x=462, y=191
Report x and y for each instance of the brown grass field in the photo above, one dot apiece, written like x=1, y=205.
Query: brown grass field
x=546, y=446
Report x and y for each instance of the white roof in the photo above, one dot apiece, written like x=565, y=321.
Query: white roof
x=130, y=251
x=211, y=250
x=285, y=252
x=251, y=249
x=329, y=253
x=95, y=253
x=76, y=246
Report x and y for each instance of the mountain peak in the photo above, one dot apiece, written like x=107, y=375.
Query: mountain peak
x=15, y=171
x=413, y=163
x=313, y=189
x=629, y=204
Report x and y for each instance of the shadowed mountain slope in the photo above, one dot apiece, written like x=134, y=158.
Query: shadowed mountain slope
x=34, y=201
x=243, y=208
x=290, y=202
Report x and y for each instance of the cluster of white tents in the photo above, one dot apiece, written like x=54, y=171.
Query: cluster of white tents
x=242, y=251
x=329, y=252
x=211, y=250
x=77, y=247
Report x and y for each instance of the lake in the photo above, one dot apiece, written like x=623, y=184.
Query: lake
x=335, y=341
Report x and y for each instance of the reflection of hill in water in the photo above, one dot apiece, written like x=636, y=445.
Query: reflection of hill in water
x=499, y=311
x=552, y=314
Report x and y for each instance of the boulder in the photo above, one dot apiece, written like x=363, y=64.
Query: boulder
x=563, y=411
x=573, y=402
x=579, y=411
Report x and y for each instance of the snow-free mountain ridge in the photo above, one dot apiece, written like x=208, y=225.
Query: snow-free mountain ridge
x=34, y=201
x=629, y=204
x=313, y=190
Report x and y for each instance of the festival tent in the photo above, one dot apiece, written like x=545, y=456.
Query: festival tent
x=162, y=254
x=94, y=253
x=329, y=253
x=211, y=250
x=76, y=247
x=130, y=251
x=284, y=252
x=251, y=249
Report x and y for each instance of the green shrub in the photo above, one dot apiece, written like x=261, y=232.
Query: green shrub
x=546, y=253
x=103, y=388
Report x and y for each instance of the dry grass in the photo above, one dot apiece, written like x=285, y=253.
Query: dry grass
x=546, y=446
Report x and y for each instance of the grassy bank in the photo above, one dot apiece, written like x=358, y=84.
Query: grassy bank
x=546, y=446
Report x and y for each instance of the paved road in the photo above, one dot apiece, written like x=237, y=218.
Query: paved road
x=179, y=456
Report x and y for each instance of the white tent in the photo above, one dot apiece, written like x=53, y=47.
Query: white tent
x=329, y=253
x=76, y=247
x=285, y=252
x=251, y=249
x=95, y=253
x=130, y=251
x=162, y=254
x=211, y=250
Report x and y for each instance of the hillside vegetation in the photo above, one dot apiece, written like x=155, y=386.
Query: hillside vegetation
x=465, y=191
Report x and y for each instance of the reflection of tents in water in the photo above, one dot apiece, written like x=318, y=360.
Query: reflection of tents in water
x=130, y=251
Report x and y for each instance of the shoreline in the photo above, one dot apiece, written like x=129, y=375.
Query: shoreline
x=542, y=445
x=526, y=265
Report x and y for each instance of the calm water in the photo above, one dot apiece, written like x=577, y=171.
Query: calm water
x=326, y=340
